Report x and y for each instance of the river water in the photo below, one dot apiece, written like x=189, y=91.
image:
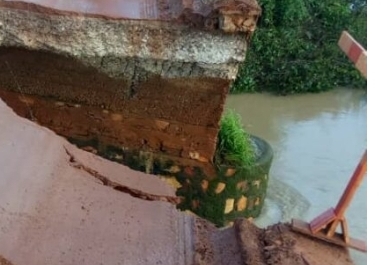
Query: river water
x=317, y=140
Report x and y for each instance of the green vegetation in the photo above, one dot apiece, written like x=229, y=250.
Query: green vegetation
x=250, y=182
x=295, y=47
x=234, y=146
x=211, y=205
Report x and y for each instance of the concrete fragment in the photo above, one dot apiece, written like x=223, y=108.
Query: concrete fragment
x=241, y=203
x=229, y=205
x=220, y=187
x=172, y=181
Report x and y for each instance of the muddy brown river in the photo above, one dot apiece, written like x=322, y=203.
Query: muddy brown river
x=318, y=140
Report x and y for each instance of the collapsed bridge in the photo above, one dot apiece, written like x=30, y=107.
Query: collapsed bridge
x=142, y=83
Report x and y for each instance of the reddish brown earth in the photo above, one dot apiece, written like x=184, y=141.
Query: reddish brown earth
x=62, y=205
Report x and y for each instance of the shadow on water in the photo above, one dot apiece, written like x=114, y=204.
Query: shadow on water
x=318, y=140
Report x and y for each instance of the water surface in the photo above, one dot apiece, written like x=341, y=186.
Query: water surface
x=318, y=139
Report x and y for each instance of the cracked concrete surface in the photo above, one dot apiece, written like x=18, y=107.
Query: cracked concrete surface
x=116, y=186
x=53, y=213
x=62, y=205
x=116, y=173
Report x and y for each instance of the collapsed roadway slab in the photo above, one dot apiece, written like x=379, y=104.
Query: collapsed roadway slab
x=62, y=205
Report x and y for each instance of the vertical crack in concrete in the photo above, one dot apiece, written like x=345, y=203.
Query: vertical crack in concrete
x=116, y=186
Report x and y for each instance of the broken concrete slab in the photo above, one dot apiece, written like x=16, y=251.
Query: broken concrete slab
x=148, y=62
x=116, y=173
x=93, y=29
x=143, y=79
x=52, y=213
x=120, y=83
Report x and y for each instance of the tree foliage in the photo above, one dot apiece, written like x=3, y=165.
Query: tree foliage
x=295, y=47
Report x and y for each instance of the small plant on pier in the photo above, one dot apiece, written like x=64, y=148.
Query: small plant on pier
x=234, y=145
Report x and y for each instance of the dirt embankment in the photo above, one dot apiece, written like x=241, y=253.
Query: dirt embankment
x=246, y=244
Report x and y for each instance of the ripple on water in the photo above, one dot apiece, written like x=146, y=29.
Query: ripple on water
x=318, y=140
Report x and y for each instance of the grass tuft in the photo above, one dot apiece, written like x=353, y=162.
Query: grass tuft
x=234, y=146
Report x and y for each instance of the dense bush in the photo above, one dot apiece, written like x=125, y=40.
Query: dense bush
x=295, y=47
